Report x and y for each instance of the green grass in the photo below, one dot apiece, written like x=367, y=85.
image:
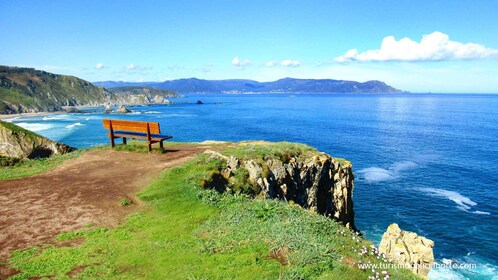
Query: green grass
x=281, y=150
x=186, y=232
x=15, y=128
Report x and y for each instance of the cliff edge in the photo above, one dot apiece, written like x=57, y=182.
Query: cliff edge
x=18, y=142
x=304, y=176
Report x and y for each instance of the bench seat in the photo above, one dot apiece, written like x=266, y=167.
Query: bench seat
x=133, y=135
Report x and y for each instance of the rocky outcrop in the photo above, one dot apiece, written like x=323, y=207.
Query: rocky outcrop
x=317, y=182
x=21, y=143
x=122, y=109
x=408, y=249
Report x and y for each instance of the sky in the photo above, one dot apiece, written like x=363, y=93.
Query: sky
x=420, y=46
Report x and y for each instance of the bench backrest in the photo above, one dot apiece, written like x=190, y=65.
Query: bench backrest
x=134, y=126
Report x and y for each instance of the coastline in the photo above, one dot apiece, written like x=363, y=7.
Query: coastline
x=11, y=116
x=79, y=107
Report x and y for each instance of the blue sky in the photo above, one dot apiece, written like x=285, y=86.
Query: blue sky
x=260, y=40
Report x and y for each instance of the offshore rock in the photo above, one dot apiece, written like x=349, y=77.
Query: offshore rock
x=18, y=142
x=123, y=109
x=318, y=182
x=409, y=249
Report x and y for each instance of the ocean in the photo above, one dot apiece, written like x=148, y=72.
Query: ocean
x=428, y=162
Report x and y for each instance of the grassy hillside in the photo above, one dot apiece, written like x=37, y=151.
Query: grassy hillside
x=29, y=90
x=186, y=232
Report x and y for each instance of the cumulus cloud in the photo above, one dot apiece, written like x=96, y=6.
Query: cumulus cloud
x=290, y=63
x=99, y=66
x=240, y=63
x=271, y=63
x=436, y=46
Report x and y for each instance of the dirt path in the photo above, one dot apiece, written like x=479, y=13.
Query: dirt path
x=83, y=191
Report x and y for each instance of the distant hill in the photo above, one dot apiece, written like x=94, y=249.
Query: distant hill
x=287, y=85
x=142, y=90
x=24, y=90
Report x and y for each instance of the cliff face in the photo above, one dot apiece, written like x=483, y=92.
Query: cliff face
x=316, y=181
x=21, y=143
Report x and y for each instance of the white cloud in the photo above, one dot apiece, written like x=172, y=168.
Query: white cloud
x=240, y=63
x=99, y=66
x=135, y=67
x=290, y=63
x=271, y=63
x=433, y=47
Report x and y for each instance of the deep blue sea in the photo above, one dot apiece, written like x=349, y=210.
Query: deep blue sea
x=427, y=162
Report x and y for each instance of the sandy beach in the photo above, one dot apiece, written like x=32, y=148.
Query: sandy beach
x=10, y=116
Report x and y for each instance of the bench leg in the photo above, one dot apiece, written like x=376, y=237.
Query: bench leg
x=112, y=143
x=161, y=144
x=150, y=146
x=124, y=140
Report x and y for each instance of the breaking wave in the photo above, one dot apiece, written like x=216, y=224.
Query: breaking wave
x=73, y=125
x=463, y=203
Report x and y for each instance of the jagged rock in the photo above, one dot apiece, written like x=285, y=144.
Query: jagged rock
x=71, y=110
x=158, y=99
x=18, y=142
x=107, y=109
x=122, y=109
x=407, y=248
x=317, y=182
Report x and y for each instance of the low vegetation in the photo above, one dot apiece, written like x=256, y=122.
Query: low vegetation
x=29, y=90
x=187, y=232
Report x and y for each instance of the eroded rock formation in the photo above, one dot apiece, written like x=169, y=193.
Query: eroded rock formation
x=318, y=182
x=21, y=143
x=408, y=249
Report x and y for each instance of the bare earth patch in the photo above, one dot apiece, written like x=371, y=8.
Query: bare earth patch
x=81, y=192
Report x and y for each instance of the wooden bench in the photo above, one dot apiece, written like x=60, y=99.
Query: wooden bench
x=148, y=131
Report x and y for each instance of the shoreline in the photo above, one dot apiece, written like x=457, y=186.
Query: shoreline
x=79, y=107
x=11, y=116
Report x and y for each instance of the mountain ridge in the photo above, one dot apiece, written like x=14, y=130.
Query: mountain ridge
x=285, y=85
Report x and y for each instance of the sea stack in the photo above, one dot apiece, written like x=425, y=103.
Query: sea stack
x=409, y=249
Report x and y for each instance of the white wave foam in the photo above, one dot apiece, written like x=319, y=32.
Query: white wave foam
x=463, y=203
x=178, y=115
x=51, y=118
x=73, y=125
x=444, y=274
x=377, y=174
x=481, y=213
x=403, y=165
x=11, y=119
x=35, y=126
